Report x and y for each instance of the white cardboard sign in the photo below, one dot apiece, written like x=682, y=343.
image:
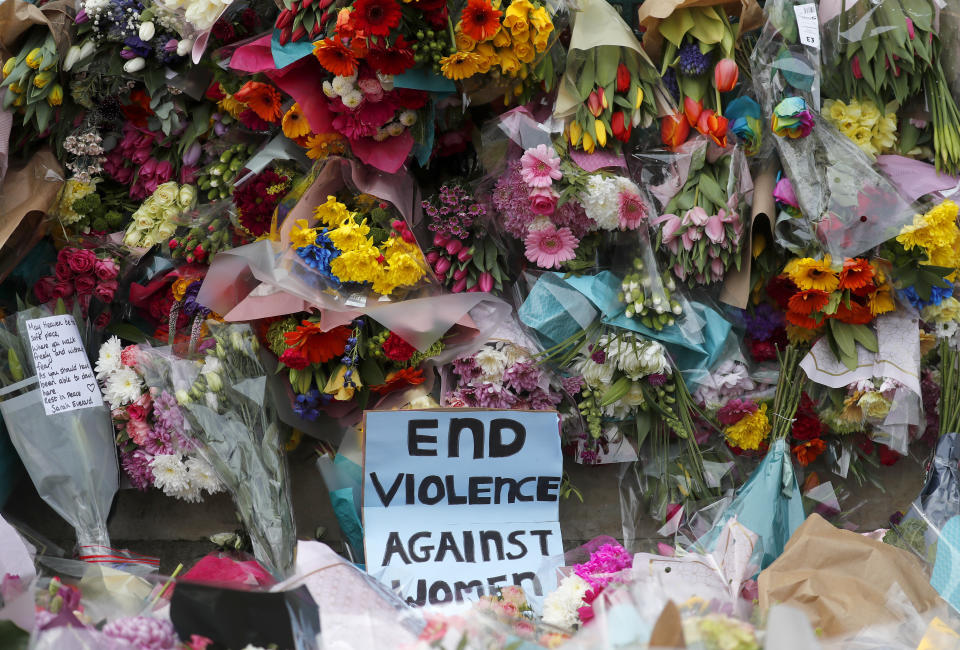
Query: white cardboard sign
x=66, y=380
x=458, y=503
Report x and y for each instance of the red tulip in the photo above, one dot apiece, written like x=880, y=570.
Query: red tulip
x=284, y=19
x=298, y=33
x=855, y=64
x=486, y=281
x=621, y=126
x=674, y=130
x=713, y=125
x=459, y=274
x=623, y=78
x=285, y=35
x=725, y=75
x=692, y=110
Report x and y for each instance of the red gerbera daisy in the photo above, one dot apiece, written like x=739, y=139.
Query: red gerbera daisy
x=399, y=379
x=394, y=60
x=375, y=17
x=480, y=21
x=855, y=314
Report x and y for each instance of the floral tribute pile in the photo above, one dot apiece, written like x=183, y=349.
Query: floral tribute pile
x=721, y=242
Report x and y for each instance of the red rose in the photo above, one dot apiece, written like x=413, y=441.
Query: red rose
x=886, y=455
x=396, y=349
x=106, y=290
x=62, y=271
x=763, y=351
x=80, y=261
x=106, y=269
x=84, y=284
x=806, y=427
x=43, y=289
x=102, y=320
x=62, y=290
x=294, y=358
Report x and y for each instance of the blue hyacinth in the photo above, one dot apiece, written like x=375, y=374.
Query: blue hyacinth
x=692, y=61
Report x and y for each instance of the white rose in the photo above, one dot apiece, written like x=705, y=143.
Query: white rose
x=187, y=197
x=166, y=194
x=166, y=229
x=144, y=220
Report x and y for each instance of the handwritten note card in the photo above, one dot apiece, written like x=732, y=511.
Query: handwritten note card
x=66, y=380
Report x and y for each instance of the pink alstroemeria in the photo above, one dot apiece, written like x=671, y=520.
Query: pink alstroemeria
x=715, y=229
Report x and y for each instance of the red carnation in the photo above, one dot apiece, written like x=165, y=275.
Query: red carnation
x=806, y=427
x=396, y=349
x=763, y=351
x=294, y=358
x=886, y=455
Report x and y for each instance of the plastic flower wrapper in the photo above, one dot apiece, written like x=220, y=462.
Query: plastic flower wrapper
x=70, y=456
x=610, y=86
x=849, y=206
x=238, y=433
x=888, y=54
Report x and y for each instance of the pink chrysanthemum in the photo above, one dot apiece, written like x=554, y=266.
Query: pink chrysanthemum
x=631, y=210
x=540, y=166
x=549, y=247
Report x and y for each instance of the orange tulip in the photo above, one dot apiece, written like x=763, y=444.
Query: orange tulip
x=674, y=130
x=725, y=75
x=713, y=125
x=692, y=110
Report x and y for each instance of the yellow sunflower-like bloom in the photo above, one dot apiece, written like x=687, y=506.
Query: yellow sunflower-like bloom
x=750, y=431
x=808, y=273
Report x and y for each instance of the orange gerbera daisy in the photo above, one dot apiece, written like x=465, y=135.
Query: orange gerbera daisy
x=855, y=314
x=263, y=99
x=807, y=452
x=856, y=274
x=480, y=21
x=802, y=320
x=809, y=301
x=294, y=123
x=400, y=379
x=321, y=145
x=317, y=345
x=334, y=55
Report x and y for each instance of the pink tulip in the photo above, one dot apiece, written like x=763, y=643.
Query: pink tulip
x=464, y=255
x=485, y=282
x=432, y=257
x=687, y=239
x=725, y=75
x=910, y=29
x=459, y=274
x=459, y=285
x=149, y=167
x=440, y=240
x=474, y=289
x=715, y=230
x=596, y=102
x=671, y=223
x=679, y=271
x=696, y=216
x=673, y=246
x=716, y=268
x=454, y=246
x=442, y=277
x=442, y=265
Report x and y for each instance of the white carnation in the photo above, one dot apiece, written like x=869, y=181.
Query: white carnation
x=601, y=201
x=560, y=606
x=123, y=387
x=109, y=360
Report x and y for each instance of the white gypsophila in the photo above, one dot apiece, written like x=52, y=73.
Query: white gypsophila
x=601, y=202
x=202, y=476
x=170, y=473
x=123, y=387
x=492, y=363
x=560, y=606
x=109, y=359
x=595, y=374
x=352, y=98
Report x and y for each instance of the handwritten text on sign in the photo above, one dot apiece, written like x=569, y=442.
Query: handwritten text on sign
x=66, y=380
x=459, y=503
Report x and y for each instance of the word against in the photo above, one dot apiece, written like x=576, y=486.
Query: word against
x=458, y=503
x=66, y=380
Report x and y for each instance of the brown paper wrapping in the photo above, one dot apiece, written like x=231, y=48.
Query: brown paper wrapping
x=27, y=194
x=651, y=12
x=736, y=285
x=668, y=630
x=16, y=17
x=841, y=579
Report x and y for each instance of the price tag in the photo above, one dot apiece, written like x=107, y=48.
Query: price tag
x=808, y=25
x=358, y=299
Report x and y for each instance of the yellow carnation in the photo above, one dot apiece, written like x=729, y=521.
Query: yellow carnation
x=750, y=431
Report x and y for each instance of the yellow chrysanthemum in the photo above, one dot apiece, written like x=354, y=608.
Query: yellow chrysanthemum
x=350, y=235
x=808, y=273
x=460, y=65
x=403, y=270
x=302, y=234
x=357, y=265
x=332, y=213
x=750, y=431
x=948, y=310
x=231, y=105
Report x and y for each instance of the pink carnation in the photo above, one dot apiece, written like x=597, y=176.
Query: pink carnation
x=734, y=411
x=631, y=210
x=540, y=166
x=549, y=247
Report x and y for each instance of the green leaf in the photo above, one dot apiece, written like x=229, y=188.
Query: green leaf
x=676, y=25
x=615, y=391
x=710, y=189
x=127, y=332
x=13, y=637
x=372, y=373
x=608, y=57
x=708, y=27
x=585, y=82
x=865, y=337
x=846, y=345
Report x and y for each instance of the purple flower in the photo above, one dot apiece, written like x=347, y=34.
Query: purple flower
x=467, y=368
x=543, y=400
x=572, y=385
x=598, y=356
x=143, y=633
x=522, y=376
x=604, y=563
x=158, y=441
x=137, y=466
x=692, y=61
x=735, y=410
x=763, y=322
x=658, y=379
x=490, y=396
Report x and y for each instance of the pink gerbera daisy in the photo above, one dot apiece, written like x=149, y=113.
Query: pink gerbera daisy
x=549, y=247
x=540, y=166
x=631, y=211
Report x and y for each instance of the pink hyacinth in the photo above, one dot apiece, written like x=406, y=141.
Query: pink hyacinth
x=549, y=247
x=540, y=166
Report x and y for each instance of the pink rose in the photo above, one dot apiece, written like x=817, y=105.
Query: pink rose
x=81, y=261
x=106, y=269
x=106, y=290
x=62, y=271
x=84, y=284
x=62, y=290
x=136, y=412
x=43, y=289
x=542, y=201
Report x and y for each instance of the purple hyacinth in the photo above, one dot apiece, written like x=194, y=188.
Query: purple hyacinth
x=670, y=81
x=693, y=62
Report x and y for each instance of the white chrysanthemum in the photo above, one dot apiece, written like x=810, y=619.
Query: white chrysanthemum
x=352, y=98
x=202, y=476
x=381, y=135
x=170, y=474
x=601, y=201
x=560, y=606
x=341, y=86
x=408, y=118
x=395, y=129
x=492, y=363
x=328, y=89
x=596, y=375
x=109, y=360
x=123, y=387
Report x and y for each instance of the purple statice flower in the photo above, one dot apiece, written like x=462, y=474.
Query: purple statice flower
x=137, y=466
x=511, y=198
x=143, y=633
x=491, y=396
x=693, y=62
x=763, y=322
x=572, y=385
x=572, y=215
x=522, y=376
x=604, y=563
x=467, y=368
x=453, y=212
x=544, y=400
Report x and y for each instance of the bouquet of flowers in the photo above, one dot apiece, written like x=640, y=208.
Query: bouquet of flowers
x=156, y=218
x=152, y=435
x=82, y=276
x=570, y=605
x=30, y=78
x=236, y=430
